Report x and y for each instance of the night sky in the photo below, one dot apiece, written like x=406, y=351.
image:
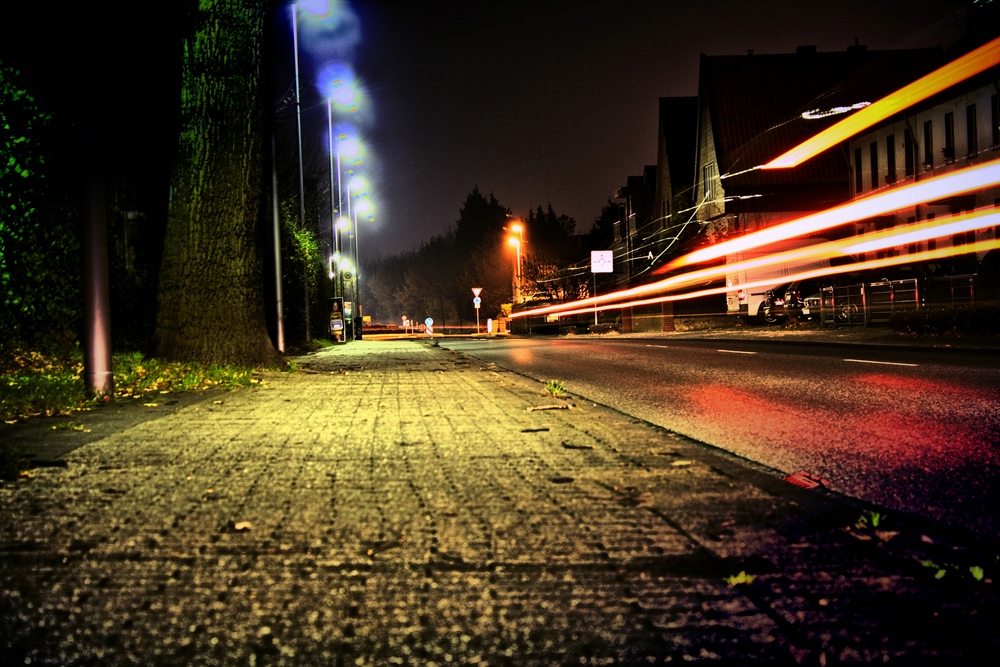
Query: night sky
x=556, y=101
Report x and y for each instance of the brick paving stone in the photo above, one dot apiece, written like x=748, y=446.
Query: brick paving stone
x=398, y=503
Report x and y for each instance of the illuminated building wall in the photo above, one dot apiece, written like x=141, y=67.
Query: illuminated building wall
x=957, y=129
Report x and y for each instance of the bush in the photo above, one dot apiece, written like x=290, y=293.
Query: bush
x=39, y=258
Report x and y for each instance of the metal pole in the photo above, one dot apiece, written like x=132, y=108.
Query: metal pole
x=334, y=207
x=277, y=246
x=340, y=206
x=357, y=270
x=98, y=376
x=595, y=294
x=302, y=186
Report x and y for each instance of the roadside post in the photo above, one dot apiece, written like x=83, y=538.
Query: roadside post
x=476, y=301
x=429, y=324
x=601, y=261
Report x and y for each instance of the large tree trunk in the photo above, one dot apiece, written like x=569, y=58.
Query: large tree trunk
x=211, y=303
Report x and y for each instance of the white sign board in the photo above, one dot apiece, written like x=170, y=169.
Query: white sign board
x=601, y=261
x=476, y=291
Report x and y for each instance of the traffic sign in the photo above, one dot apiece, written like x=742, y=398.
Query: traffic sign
x=477, y=301
x=429, y=321
x=602, y=261
x=476, y=291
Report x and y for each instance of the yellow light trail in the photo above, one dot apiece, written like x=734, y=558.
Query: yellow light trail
x=970, y=64
x=915, y=233
x=960, y=181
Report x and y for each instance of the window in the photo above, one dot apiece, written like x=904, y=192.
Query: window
x=971, y=131
x=873, y=152
x=890, y=159
x=928, y=145
x=859, y=182
x=909, y=153
x=708, y=181
x=949, y=136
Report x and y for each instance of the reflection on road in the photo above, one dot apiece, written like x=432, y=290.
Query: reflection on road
x=922, y=439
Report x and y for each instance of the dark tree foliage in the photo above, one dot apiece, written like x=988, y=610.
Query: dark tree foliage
x=545, y=227
x=39, y=265
x=480, y=221
x=602, y=234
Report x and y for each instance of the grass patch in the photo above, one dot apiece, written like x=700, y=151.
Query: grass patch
x=33, y=385
x=308, y=346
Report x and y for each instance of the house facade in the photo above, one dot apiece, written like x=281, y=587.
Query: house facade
x=953, y=131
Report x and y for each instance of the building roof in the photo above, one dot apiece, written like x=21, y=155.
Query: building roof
x=679, y=134
x=756, y=102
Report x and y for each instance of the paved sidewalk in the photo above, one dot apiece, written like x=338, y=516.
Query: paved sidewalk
x=399, y=503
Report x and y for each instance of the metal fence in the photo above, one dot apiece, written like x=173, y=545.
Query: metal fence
x=875, y=303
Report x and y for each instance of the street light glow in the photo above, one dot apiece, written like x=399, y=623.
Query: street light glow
x=318, y=8
x=363, y=207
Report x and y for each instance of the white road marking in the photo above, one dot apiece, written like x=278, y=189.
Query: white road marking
x=736, y=352
x=885, y=363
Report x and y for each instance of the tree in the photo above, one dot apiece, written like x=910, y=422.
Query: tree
x=211, y=306
x=602, y=234
x=480, y=220
x=39, y=265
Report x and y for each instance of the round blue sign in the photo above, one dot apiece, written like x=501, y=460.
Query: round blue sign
x=477, y=300
x=429, y=321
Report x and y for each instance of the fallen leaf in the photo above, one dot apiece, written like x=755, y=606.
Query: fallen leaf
x=242, y=525
x=886, y=535
x=217, y=402
x=150, y=405
x=682, y=463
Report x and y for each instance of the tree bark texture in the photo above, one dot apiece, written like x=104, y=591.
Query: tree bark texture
x=211, y=294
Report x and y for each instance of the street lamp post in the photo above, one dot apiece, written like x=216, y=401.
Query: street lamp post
x=518, y=229
x=514, y=241
x=302, y=188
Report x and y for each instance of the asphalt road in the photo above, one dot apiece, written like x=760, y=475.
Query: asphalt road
x=911, y=430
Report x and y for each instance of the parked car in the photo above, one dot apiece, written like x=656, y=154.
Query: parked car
x=790, y=300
